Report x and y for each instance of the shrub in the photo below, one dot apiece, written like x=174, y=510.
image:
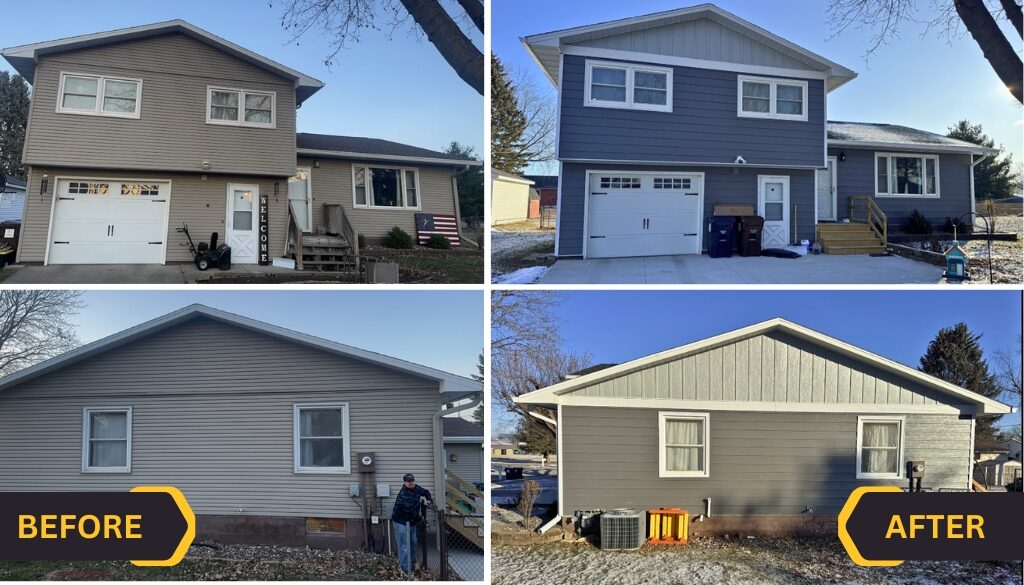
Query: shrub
x=397, y=238
x=439, y=242
x=918, y=224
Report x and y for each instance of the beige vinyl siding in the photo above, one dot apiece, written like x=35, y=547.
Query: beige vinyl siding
x=212, y=415
x=761, y=463
x=171, y=133
x=772, y=367
x=510, y=202
x=201, y=203
x=332, y=183
x=469, y=464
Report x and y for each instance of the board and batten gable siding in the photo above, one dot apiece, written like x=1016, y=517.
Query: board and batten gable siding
x=332, y=183
x=778, y=463
x=771, y=367
x=510, y=202
x=199, y=202
x=703, y=126
x=700, y=38
x=171, y=133
x=213, y=415
x=469, y=463
x=856, y=176
x=721, y=185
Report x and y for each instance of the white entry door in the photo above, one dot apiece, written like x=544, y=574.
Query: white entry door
x=643, y=214
x=241, y=223
x=827, y=192
x=104, y=221
x=300, y=198
x=773, y=206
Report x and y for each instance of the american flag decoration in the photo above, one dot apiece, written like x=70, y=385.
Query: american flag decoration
x=428, y=224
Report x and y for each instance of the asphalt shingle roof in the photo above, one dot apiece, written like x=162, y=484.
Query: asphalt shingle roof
x=367, y=146
x=889, y=133
x=460, y=427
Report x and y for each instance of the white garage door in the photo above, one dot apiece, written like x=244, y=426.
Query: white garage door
x=99, y=221
x=644, y=214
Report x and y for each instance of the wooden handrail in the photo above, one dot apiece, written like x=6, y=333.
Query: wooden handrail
x=463, y=483
x=455, y=486
x=334, y=213
x=293, y=228
x=873, y=215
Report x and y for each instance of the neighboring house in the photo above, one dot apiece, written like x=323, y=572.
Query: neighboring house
x=136, y=131
x=663, y=116
x=263, y=429
x=500, y=449
x=547, y=187
x=12, y=200
x=769, y=420
x=464, y=448
x=997, y=464
x=510, y=197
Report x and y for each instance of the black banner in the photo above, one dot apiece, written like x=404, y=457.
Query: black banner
x=150, y=526
x=264, y=234
x=884, y=526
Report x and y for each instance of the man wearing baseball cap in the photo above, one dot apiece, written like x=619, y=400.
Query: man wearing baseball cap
x=406, y=516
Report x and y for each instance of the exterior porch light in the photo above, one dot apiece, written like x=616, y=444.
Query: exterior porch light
x=316, y=164
x=277, y=190
x=45, y=185
x=842, y=156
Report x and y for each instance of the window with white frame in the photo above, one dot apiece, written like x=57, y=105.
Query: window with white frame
x=620, y=182
x=321, y=438
x=107, y=440
x=906, y=175
x=99, y=95
x=671, y=183
x=618, y=85
x=766, y=97
x=385, y=187
x=880, y=447
x=239, y=107
x=682, y=444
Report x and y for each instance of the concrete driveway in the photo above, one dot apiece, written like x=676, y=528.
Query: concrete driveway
x=98, y=274
x=691, y=269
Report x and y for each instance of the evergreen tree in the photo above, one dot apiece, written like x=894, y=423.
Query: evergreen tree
x=533, y=437
x=994, y=177
x=956, y=357
x=14, y=102
x=471, y=184
x=478, y=413
x=508, y=123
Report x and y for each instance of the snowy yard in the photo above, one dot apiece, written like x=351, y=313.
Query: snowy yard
x=1007, y=256
x=719, y=561
x=511, y=244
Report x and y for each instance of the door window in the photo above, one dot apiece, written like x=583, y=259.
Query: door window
x=774, y=202
x=242, y=218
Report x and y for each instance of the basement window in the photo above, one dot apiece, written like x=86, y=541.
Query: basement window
x=880, y=447
x=321, y=438
x=682, y=444
x=107, y=440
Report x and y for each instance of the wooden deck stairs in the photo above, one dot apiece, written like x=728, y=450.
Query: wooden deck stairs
x=464, y=508
x=333, y=248
x=867, y=232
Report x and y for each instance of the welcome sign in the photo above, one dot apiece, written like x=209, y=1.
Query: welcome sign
x=264, y=241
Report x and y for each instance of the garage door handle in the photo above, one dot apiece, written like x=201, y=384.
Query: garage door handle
x=598, y=193
x=65, y=199
x=596, y=237
x=158, y=200
x=62, y=242
x=692, y=194
x=687, y=235
x=157, y=243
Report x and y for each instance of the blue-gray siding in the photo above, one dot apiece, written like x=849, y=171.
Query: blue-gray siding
x=12, y=205
x=856, y=176
x=702, y=128
x=722, y=185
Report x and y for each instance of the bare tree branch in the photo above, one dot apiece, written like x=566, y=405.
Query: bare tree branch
x=539, y=105
x=35, y=326
x=1014, y=14
x=997, y=49
x=475, y=10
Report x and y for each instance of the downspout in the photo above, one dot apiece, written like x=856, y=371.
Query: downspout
x=974, y=163
x=455, y=196
x=439, y=464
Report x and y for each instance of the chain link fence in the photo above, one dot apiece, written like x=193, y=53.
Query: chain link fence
x=453, y=547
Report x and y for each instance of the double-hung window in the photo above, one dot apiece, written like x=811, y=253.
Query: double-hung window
x=683, y=444
x=240, y=107
x=98, y=95
x=385, y=187
x=906, y=175
x=620, y=85
x=321, y=438
x=107, y=440
x=767, y=97
x=880, y=447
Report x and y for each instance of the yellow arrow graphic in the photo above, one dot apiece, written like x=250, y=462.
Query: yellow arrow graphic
x=190, y=521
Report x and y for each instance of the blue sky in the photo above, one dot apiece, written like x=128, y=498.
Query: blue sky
x=440, y=329
x=923, y=83
x=390, y=85
x=618, y=326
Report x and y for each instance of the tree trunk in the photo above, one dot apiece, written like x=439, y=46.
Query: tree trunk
x=997, y=49
x=1014, y=14
x=457, y=50
x=475, y=10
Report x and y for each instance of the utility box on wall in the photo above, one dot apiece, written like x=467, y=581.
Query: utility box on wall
x=367, y=462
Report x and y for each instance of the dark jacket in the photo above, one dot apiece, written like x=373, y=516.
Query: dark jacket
x=407, y=505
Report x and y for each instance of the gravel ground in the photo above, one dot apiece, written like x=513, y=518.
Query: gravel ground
x=1007, y=257
x=718, y=561
x=511, y=242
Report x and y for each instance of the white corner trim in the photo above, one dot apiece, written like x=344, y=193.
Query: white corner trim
x=705, y=418
x=558, y=464
x=86, y=422
x=345, y=469
x=902, y=420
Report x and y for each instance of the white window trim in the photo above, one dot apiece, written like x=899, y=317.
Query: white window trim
x=347, y=446
x=630, y=70
x=924, y=161
x=369, y=189
x=101, y=85
x=241, y=107
x=773, y=82
x=664, y=416
x=902, y=420
x=86, y=416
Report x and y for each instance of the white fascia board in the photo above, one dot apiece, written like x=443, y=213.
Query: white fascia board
x=447, y=382
x=465, y=440
x=763, y=406
x=518, y=180
x=536, y=59
x=387, y=157
x=913, y=146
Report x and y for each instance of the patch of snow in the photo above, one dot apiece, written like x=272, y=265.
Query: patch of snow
x=527, y=275
x=506, y=244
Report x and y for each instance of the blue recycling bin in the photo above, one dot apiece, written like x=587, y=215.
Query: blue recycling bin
x=720, y=236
